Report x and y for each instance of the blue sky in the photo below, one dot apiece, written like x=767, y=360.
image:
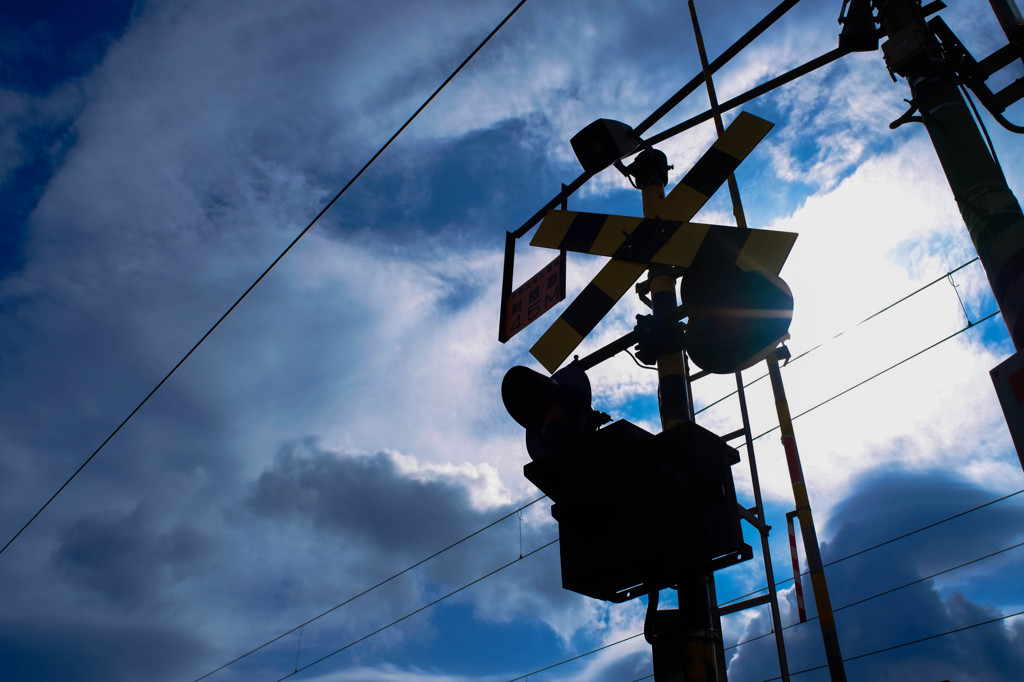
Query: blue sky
x=345, y=422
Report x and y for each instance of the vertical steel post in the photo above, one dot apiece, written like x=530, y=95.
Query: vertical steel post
x=826, y=618
x=506, y=282
x=734, y=188
x=798, y=583
x=699, y=641
x=990, y=211
x=766, y=552
x=741, y=221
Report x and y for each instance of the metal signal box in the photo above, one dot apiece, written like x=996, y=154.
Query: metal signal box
x=638, y=512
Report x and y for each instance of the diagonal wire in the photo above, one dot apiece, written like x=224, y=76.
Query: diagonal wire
x=852, y=327
x=381, y=584
x=916, y=641
x=846, y=606
x=889, y=591
x=881, y=372
x=886, y=542
x=576, y=657
x=270, y=267
x=422, y=608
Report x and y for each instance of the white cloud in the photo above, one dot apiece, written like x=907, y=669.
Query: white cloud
x=209, y=136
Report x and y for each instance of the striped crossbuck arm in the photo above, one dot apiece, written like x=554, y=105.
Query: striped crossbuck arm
x=679, y=247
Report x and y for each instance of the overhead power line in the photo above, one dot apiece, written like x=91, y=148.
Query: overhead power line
x=886, y=542
x=900, y=646
x=889, y=648
x=439, y=552
x=577, y=657
x=849, y=329
x=270, y=267
x=970, y=325
x=782, y=582
x=413, y=613
x=933, y=575
x=372, y=588
x=889, y=591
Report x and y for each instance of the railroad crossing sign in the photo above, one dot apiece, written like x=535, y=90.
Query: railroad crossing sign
x=668, y=238
x=533, y=298
x=665, y=242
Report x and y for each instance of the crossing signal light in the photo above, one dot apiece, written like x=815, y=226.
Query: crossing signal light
x=603, y=143
x=736, y=316
x=635, y=511
x=555, y=410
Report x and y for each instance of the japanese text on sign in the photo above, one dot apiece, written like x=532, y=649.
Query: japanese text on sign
x=535, y=297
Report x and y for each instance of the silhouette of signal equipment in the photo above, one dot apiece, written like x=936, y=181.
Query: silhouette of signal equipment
x=636, y=511
x=669, y=238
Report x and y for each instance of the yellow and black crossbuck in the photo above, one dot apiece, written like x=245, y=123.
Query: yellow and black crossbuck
x=668, y=238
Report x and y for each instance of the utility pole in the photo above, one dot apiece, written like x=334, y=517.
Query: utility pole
x=989, y=209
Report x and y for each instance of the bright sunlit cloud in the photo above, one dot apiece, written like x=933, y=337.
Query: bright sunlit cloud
x=344, y=422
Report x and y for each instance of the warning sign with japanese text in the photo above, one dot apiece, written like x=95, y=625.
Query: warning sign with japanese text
x=535, y=297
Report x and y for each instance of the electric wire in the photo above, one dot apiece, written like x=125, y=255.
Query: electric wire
x=270, y=267
x=848, y=329
x=886, y=542
x=984, y=130
x=835, y=561
x=578, y=656
x=881, y=372
x=931, y=525
x=885, y=649
x=889, y=591
x=422, y=608
x=969, y=326
x=380, y=584
x=759, y=436
x=933, y=575
x=638, y=363
x=765, y=433
x=899, y=646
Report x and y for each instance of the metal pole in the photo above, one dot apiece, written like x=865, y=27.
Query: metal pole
x=766, y=552
x=826, y=618
x=989, y=209
x=734, y=188
x=798, y=582
x=693, y=627
x=741, y=221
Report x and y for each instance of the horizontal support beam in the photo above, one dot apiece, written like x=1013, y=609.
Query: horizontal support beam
x=743, y=605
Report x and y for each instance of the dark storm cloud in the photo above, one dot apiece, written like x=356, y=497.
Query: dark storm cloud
x=122, y=558
x=380, y=519
x=86, y=651
x=145, y=197
x=880, y=509
x=365, y=497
